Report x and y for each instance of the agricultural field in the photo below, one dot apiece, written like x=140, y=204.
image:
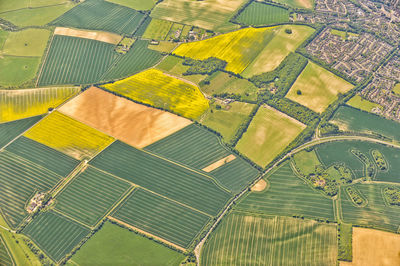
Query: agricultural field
x=270, y=132
x=278, y=48
x=173, y=65
x=120, y=117
x=211, y=15
x=55, y=234
x=101, y=15
x=307, y=4
x=20, y=179
x=161, y=217
x=251, y=240
x=155, y=88
x=258, y=13
x=6, y=258
x=29, y=42
x=91, y=195
x=16, y=70
x=353, y=120
x=115, y=245
x=136, y=4
x=158, y=29
x=11, y=130
x=306, y=161
x=167, y=179
x=21, y=4
x=359, y=103
x=316, y=88
x=238, y=48
x=18, y=104
x=100, y=36
x=163, y=46
x=288, y=195
x=67, y=135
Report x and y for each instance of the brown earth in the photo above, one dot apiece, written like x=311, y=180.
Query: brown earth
x=133, y=123
x=93, y=35
x=219, y=163
x=259, y=186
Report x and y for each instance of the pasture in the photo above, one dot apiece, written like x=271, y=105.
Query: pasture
x=55, y=234
x=211, y=15
x=163, y=46
x=258, y=13
x=115, y=245
x=268, y=134
x=103, y=16
x=157, y=29
x=306, y=161
x=288, y=195
x=155, y=88
x=6, y=258
x=133, y=123
x=351, y=119
x=161, y=217
x=67, y=135
x=136, y=4
x=252, y=240
x=18, y=104
x=91, y=195
x=278, y=48
x=167, y=179
x=15, y=70
x=360, y=103
x=20, y=179
x=173, y=65
x=20, y=4
x=11, y=130
x=316, y=88
x=29, y=42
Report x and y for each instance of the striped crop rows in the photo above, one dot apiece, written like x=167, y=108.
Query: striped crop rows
x=11, y=130
x=263, y=14
x=5, y=257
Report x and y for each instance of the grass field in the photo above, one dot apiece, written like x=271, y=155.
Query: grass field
x=15, y=70
x=29, y=42
x=55, y=234
x=101, y=15
x=238, y=48
x=318, y=88
x=308, y=4
x=359, y=103
x=6, y=258
x=160, y=90
x=42, y=155
x=278, y=48
x=161, y=217
x=91, y=195
x=163, y=46
x=136, y=4
x=115, y=245
x=19, y=4
x=67, y=135
x=19, y=181
x=263, y=14
x=257, y=240
x=173, y=65
x=168, y=179
x=396, y=89
x=11, y=130
x=306, y=161
x=268, y=134
x=288, y=195
x=18, y=104
x=157, y=29
x=212, y=15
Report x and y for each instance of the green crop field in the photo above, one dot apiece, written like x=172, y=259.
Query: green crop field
x=29, y=42
x=173, y=65
x=113, y=245
x=376, y=214
x=20, y=4
x=306, y=161
x=263, y=14
x=351, y=119
x=168, y=179
x=161, y=217
x=15, y=70
x=288, y=195
x=256, y=240
x=11, y=130
x=136, y=4
x=101, y=15
x=42, y=155
x=163, y=46
x=74, y=60
x=6, y=258
x=55, y=234
x=270, y=131
x=359, y=103
x=91, y=195
x=20, y=179
x=157, y=29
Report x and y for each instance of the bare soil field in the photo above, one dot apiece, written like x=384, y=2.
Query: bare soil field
x=259, y=186
x=219, y=163
x=135, y=124
x=93, y=35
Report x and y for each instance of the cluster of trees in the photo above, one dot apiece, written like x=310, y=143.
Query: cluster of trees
x=355, y=196
x=379, y=160
x=392, y=195
x=208, y=66
x=293, y=109
x=369, y=165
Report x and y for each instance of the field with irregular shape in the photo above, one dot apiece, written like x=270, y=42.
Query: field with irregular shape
x=157, y=89
x=29, y=42
x=91, y=195
x=238, y=48
x=253, y=240
x=18, y=104
x=55, y=234
x=360, y=103
x=11, y=130
x=168, y=179
x=135, y=124
x=268, y=134
x=316, y=88
x=263, y=14
x=159, y=216
x=6, y=258
x=212, y=15
x=173, y=65
x=116, y=245
x=288, y=195
x=67, y=135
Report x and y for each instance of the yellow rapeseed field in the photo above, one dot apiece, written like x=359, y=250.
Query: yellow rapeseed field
x=238, y=48
x=65, y=134
x=155, y=88
x=18, y=104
